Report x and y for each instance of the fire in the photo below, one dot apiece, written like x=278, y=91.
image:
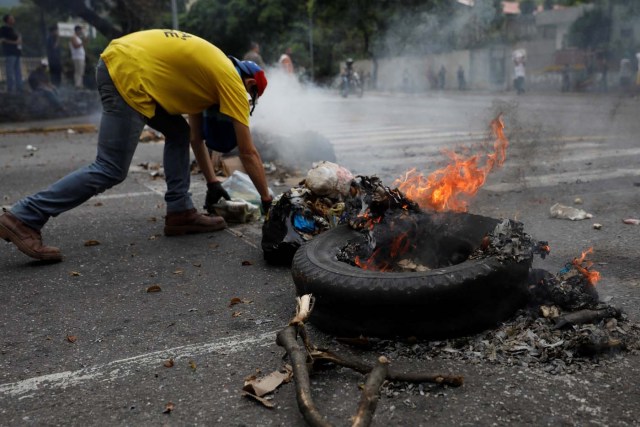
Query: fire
x=385, y=255
x=372, y=262
x=447, y=188
x=443, y=190
x=582, y=265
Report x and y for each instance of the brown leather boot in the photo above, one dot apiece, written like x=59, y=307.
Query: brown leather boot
x=190, y=221
x=28, y=240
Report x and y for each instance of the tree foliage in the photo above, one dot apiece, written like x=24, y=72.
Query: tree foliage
x=591, y=30
x=337, y=29
x=527, y=7
x=112, y=18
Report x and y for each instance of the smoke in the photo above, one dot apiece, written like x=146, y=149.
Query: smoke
x=542, y=124
x=289, y=106
x=426, y=30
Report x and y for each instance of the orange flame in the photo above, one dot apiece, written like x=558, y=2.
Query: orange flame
x=446, y=188
x=372, y=263
x=369, y=221
x=583, y=265
x=382, y=258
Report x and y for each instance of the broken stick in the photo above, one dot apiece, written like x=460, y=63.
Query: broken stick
x=392, y=374
x=287, y=338
x=586, y=316
x=302, y=360
x=371, y=393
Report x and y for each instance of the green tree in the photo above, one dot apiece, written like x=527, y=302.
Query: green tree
x=527, y=7
x=112, y=18
x=233, y=24
x=591, y=30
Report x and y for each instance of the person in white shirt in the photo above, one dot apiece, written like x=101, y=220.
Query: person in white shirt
x=76, y=45
x=286, y=64
x=519, y=73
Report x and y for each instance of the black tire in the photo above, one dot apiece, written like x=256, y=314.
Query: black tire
x=452, y=301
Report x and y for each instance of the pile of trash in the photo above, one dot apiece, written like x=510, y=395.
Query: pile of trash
x=305, y=211
x=328, y=196
x=509, y=241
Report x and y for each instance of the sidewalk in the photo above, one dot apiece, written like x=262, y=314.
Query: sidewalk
x=51, y=125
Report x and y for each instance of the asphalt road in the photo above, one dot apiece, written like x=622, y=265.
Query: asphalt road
x=84, y=343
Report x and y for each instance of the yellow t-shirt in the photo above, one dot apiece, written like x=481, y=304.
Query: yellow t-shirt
x=182, y=72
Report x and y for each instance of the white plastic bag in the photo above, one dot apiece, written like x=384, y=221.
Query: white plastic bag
x=237, y=210
x=240, y=186
x=328, y=179
x=568, y=212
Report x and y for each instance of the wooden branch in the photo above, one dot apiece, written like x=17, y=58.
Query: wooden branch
x=392, y=375
x=303, y=309
x=594, y=348
x=302, y=331
x=371, y=393
x=287, y=338
x=585, y=316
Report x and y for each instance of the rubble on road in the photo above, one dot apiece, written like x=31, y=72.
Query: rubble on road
x=149, y=134
x=155, y=170
x=567, y=212
x=565, y=329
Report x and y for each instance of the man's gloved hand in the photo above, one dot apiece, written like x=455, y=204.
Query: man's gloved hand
x=265, y=205
x=214, y=193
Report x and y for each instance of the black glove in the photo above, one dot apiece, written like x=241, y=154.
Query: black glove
x=265, y=205
x=214, y=193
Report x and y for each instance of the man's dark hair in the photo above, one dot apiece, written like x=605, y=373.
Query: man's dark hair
x=6, y=17
x=254, y=45
x=77, y=27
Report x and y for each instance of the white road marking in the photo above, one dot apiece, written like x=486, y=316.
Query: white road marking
x=125, y=367
x=567, y=177
x=125, y=195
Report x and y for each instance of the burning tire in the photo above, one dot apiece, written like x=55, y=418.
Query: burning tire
x=459, y=299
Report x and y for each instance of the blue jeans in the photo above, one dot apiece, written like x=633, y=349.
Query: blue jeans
x=120, y=129
x=14, y=73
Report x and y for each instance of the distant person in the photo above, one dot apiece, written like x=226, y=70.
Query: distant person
x=12, y=50
x=253, y=54
x=154, y=77
x=40, y=82
x=604, y=76
x=432, y=78
x=462, y=84
x=566, y=78
x=286, y=64
x=78, y=56
x=519, y=74
x=54, y=56
x=442, y=75
x=625, y=74
x=406, y=81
